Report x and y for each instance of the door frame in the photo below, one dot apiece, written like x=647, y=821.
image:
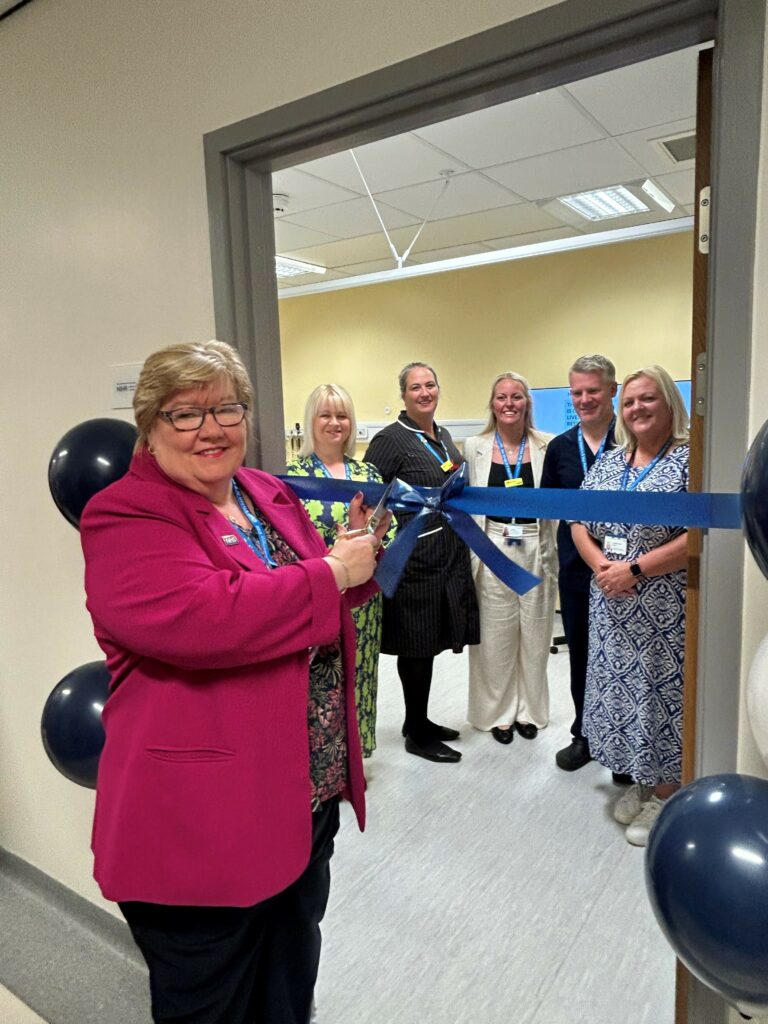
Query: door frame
x=552, y=47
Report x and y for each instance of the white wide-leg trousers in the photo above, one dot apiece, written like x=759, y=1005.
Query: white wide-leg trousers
x=508, y=668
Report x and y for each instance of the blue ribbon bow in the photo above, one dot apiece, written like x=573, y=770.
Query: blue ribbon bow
x=429, y=501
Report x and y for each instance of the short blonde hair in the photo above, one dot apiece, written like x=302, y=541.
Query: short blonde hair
x=490, y=426
x=182, y=366
x=341, y=402
x=669, y=392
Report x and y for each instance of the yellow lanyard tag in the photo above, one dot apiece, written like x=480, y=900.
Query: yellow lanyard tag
x=515, y=481
x=446, y=466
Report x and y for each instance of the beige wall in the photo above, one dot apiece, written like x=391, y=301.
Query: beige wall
x=104, y=256
x=630, y=301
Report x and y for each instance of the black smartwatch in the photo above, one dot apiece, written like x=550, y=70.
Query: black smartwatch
x=634, y=568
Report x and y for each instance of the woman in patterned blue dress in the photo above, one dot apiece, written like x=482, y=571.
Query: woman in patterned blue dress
x=634, y=696
x=327, y=451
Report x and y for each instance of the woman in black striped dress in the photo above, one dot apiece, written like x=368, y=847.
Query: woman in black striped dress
x=434, y=608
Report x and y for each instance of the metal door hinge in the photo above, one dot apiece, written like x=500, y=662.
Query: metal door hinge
x=700, y=384
x=705, y=208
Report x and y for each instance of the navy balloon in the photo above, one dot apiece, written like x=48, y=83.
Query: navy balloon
x=88, y=458
x=706, y=870
x=754, y=496
x=73, y=735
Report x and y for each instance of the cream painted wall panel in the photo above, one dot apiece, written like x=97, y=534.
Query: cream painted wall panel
x=104, y=257
x=630, y=301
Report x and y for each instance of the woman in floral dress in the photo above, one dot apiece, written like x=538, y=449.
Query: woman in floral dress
x=327, y=451
x=634, y=696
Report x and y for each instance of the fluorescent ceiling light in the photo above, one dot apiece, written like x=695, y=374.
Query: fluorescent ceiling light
x=652, y=189
x=604, y=203
x=286, y=267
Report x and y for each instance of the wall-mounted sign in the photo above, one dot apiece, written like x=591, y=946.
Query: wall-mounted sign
x=124, y=379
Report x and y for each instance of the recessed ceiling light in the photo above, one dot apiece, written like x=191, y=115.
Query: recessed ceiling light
x=658, y=196
x=604, y=203
x=286, y=267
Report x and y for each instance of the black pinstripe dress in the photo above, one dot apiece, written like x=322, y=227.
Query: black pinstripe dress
x=434, y=607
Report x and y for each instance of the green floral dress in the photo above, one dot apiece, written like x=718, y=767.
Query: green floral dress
x=327, y=515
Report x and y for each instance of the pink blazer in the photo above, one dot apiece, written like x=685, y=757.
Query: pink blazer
x=203, y=792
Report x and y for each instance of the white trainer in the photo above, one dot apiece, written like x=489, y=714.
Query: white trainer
x=629, y=805
x=637, y=833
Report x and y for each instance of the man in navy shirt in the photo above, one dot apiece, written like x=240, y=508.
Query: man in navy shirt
x=593, y=385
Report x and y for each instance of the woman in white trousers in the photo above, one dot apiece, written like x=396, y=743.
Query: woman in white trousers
x=508, y=689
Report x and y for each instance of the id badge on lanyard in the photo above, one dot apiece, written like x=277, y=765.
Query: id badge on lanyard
x=513, y=533
x=615, y=545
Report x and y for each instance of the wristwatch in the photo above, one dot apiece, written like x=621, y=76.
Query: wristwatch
x=634, y=568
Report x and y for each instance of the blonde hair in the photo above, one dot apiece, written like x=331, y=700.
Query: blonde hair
x=186, y=365
x=669, y=392
x=341, y=402
x=490, y=426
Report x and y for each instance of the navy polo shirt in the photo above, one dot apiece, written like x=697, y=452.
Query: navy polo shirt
x=562, y=468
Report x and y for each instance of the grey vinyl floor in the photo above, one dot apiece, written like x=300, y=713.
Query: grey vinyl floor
x=494, y=890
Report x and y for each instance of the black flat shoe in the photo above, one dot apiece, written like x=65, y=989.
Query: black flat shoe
x=432, y=750
x=526, y=730
x=438, y=732
x=503, y=735
x=574, y=756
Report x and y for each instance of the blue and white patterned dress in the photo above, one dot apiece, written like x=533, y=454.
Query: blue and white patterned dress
x=634, y=697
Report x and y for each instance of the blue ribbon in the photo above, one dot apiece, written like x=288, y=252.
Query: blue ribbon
x=456, y=502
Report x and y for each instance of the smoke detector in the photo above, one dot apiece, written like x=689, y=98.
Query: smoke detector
x=280, y=203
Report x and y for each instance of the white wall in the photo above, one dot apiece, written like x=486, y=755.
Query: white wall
x=104, y=256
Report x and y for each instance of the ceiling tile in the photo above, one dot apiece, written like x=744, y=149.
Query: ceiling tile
x=466, y=193
x=652, y=92
x=681, y=185
x=451, y=253
x=541, y=123
x=367, y=267
x=531, y=237
x=291, y=236
x=346, y=251
x=391, y=163
x=643, y=145
x=285, y=283
x=573, y=170
x=476, y=227
x=346, y=220
x=305, y=192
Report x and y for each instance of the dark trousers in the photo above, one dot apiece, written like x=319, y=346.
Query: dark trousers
x=574, y=606
x=240, y=965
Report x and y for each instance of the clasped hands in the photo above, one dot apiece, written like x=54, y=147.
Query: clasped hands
x=615, y=579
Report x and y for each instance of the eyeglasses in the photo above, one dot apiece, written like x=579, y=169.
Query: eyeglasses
x=192, y=417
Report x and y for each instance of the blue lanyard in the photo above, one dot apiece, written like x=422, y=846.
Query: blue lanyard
x=505, y=460
x=600, y=450
x=646, y=471
x=327, y=472
x=259, y=545
x=436, y=455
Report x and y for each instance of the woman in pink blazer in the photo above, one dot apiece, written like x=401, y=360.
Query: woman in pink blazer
x=231, y=731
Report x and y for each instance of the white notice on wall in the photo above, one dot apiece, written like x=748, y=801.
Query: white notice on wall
x=124, y=379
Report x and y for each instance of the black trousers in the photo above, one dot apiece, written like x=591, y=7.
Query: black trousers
x=574, y=606
x=240, y=965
